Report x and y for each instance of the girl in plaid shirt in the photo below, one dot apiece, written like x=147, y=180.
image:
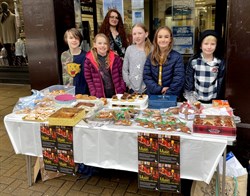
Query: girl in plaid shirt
x=205, y=70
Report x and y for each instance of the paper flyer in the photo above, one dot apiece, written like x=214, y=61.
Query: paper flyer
x=148, y=147
x=57, y=148
x=148, y=175
x=159, y=162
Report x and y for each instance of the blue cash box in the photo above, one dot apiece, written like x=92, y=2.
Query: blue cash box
x=162, y=101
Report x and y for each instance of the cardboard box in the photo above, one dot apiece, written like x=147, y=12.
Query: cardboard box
x=67, y=116
x=215, y=125
x=162, y=101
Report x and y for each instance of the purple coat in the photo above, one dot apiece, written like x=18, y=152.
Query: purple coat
x=94, y=78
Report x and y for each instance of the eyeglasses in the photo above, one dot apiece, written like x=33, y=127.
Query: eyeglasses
x=114, y=17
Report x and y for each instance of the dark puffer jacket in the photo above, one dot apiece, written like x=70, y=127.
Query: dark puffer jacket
x=173, y=75
x=94, y=78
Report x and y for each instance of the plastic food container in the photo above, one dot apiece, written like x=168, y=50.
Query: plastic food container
x=58, y=90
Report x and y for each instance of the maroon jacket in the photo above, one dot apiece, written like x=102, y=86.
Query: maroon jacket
x=94, y=78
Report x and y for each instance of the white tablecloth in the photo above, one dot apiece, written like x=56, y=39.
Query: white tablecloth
x=116, y=147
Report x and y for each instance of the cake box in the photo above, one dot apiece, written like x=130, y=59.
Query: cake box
x=214, y=125
x=66, y=116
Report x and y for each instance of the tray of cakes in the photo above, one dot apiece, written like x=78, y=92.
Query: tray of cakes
x=90, y=104
x=124, y=117
x=66, y=116
x=126, y=100
x=214, y=125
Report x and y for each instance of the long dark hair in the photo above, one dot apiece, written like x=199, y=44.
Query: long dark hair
x=105, y=27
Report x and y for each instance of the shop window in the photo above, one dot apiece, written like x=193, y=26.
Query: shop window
x=187, y=18
x=14, y=53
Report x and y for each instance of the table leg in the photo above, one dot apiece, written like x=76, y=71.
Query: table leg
x=224, y=172
x=29, y=168
x=218, y=179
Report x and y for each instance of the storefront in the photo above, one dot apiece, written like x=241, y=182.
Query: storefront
x=186, y=18
x=44, y=23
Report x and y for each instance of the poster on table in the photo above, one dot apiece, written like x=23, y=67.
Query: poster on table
x=113, y=4
x=169, y=163
x=159, y=162
x=49, y=147
x=57, y=148
x=183, y=9
x=148, y=175
x=65, y=149
x=148, y=147
x=183, y=39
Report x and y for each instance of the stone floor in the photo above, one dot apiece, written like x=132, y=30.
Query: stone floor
x=13, y=179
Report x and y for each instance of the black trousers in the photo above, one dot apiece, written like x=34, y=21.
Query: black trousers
x=10, y=48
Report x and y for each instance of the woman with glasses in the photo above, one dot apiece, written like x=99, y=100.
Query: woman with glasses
x=113, y=28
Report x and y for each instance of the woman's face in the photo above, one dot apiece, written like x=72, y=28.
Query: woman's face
x=101, y=46
x=72, y=41
x=113, y=19
x=164, y=39
x=139, y=35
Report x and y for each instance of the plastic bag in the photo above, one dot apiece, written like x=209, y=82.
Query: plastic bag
x=28, y=101
x=233, y=166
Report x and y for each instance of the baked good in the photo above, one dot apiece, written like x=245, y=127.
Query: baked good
x=140, y=97
x=104, y=100
x=123, y=98
x=114, y=98
x=131, y=99
x=92, y=97
x=78, y=96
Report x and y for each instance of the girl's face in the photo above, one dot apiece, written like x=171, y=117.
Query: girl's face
x=139, y=35
x=72, y=41
x=164, y=39
x=113, y=19
x=208, y=45
x=101, y=46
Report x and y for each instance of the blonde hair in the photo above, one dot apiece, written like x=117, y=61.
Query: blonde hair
x=156, y=54
x=94, y=51
x=148, y=44
x=210, y=38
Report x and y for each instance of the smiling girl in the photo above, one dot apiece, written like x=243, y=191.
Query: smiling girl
x=164, y=69
x=103, y=69
x=135, y=58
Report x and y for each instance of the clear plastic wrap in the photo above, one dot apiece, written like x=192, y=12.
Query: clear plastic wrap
x=28, y=102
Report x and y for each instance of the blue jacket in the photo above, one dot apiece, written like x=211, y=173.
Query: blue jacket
x=173, y=75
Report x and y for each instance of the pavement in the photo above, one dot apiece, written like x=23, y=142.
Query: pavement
x=13, y=178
